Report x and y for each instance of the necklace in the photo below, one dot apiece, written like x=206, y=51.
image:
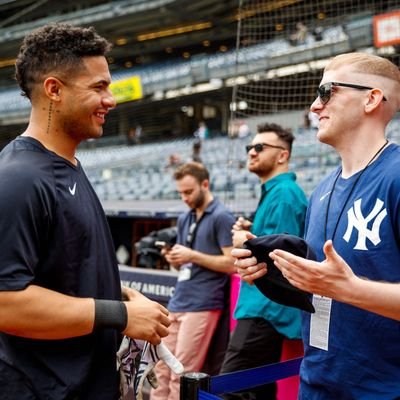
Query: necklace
x=348, y=196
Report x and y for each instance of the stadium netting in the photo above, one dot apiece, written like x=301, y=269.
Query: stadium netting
x=299, y=38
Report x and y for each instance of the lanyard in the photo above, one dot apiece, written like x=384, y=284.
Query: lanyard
x=348, y=196
x=192, y=229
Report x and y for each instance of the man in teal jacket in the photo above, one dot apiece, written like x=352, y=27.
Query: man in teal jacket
x=263, y=324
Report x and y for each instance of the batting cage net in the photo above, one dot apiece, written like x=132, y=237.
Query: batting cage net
x=282, y=48
x=268, y=73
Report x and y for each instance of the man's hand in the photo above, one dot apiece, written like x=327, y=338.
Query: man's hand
x=241, y=224
x=247, y=266
x=240, y=232
x=129, y=294
x=147, y=319
x=331, y=278
x=179, y=255
x=239, y=237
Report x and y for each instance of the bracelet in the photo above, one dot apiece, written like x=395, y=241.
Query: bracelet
x=110, y=314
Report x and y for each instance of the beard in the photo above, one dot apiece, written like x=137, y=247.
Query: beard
x=259, y=169
x=200, y=199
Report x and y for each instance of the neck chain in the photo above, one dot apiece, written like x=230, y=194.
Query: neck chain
x=348, y=196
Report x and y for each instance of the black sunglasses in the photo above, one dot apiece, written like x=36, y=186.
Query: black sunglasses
x=259, y=147
x=324, y=92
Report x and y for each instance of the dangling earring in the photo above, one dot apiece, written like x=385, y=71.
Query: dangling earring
x=49, y=118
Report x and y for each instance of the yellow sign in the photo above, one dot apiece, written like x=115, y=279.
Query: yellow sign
x=127, y=89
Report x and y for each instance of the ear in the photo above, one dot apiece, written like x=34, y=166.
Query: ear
x=205, y=184
x=375, y=98
x=52, y=87
x=283, y=157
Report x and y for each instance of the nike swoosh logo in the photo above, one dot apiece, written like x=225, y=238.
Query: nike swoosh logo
x=323, y=196
x=73, y=189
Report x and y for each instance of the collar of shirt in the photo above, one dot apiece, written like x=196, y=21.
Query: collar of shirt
x=209, y=209
x=270, y=183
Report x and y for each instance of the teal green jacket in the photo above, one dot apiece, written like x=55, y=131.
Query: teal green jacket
x=282, y=209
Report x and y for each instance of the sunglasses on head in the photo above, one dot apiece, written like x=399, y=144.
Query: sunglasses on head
x=259, y=147
x=324, y=92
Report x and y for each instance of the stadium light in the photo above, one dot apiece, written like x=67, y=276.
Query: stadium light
x=121, y=41
x=174, y=31
x=7, y=62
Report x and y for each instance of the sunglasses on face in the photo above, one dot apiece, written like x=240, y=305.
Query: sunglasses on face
x=259, y=147
x=324, y=92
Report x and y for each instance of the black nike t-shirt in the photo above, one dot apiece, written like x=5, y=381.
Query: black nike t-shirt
x=54, y=234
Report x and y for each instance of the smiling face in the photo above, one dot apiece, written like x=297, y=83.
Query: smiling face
x=341, y=117
x=86, y=100
x=367, y=104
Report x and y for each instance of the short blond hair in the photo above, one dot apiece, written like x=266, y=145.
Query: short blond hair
x=366, y=64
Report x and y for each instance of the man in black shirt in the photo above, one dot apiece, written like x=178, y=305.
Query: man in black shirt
x=61, y=314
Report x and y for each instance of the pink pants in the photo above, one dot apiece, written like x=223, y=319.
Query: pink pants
x=189, y=336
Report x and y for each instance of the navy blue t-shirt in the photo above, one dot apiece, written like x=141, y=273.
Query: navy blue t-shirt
x=205, y=290
x=54, y=234
x=362, y=355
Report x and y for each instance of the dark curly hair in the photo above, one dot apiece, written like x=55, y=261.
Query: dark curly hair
x=58, y=48
x=285, y=135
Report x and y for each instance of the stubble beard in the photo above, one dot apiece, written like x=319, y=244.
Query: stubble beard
x=259, y=170
x=200, y=200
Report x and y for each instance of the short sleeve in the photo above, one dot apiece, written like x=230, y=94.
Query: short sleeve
x=24, y=227
x=223, y=227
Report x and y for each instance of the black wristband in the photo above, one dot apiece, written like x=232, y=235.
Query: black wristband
x=110, y=314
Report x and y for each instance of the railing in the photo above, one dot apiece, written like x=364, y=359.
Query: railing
x=200, y=386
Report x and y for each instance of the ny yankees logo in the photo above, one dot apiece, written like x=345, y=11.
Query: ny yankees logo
x=355, y=219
